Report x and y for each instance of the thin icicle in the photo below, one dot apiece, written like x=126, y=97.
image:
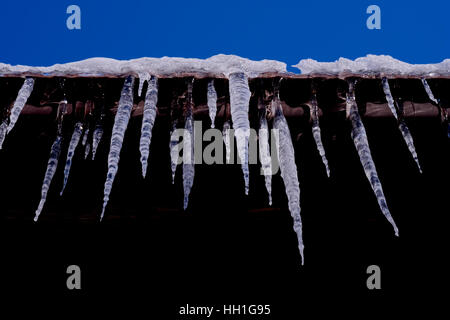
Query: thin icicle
x=55, y=151
x=239, y=100
x=428, y=90
x=173, y=153
x=49, y=173
x=120, y=126
x=3, y=127
x=401, y=123
x=288, y=170
x=188, y=150
x=85, y=135
x=151, y=99
x=96, y=138
x=84, y=141
x=87, y=150
x=212, y=102
x=314, y=111
x=22, y=97
x=71, y=151
x=264, y=155
x=226, y=139
x=362, y=146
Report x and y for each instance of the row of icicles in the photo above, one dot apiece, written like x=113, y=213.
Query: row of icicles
x=239, y=101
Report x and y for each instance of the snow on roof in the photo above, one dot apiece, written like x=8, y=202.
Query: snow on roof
x=373, y=64
x=218, y=65
x=223, y=65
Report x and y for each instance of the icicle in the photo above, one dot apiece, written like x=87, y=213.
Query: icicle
x=212, y=102
x=97, y=134
x=428, y=90
x=3, y=127
x=151, y=99
x=142, y=78
x=401, y=123
x=173, y=153
x=188, y=150
x=71, y=151
x=314, y=111
x=49, y=173
x=362, y=146
x=118, y=132
x=55, y=151
x=264, y=155
x=96, y=138
x=239, y=99
x=84, y=141
x=22, y=97
x=85, y=135
x=87, y=150
x=288, y=170
x=226, y=139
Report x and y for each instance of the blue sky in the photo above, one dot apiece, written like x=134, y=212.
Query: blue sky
x=35, y=32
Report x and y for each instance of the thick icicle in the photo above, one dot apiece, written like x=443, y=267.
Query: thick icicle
x=264, y=155
x=401, y=123
x=239, y=100
x=428, y=91
x=22, y=97
x=120, y=126
x=212, y=102
x=314, y=111
x=362, y=146
x=288, y=170
x=49, y=173
x=226, y=139
x=151, y=99
x=173, y=153
x=71, y=151
x=188, y=150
